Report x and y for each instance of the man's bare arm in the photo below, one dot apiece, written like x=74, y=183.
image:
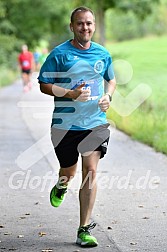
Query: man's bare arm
x=54, y=90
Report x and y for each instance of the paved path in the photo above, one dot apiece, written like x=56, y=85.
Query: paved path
x=131, y=206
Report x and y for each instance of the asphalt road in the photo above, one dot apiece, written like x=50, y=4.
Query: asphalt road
x=131, y=206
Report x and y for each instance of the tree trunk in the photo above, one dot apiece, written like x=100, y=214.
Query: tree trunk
x=100, y=26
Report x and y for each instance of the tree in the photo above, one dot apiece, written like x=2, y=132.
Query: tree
x=8, y=40
x=29, y=21
x=37, y=19
x=99, y=7
x=140, y=7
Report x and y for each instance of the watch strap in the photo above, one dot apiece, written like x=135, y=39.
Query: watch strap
x=110, y=97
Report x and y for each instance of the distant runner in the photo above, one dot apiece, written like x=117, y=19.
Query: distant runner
x=26, y=63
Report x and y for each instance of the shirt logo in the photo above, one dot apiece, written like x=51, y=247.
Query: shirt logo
x=76, y=57
x=104, y=144
x=98, y=66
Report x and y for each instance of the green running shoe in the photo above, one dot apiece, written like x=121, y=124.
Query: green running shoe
x=57, y=195
x=84, y=238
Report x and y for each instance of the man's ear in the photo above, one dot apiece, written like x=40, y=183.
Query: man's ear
x=94, y=27
x=71, y=27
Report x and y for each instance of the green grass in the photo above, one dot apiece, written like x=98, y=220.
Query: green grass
x=148, y=57
x=7, y=76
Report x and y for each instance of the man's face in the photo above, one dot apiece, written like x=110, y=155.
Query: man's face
x=83, y=26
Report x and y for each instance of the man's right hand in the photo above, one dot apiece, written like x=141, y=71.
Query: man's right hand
x=79, y=94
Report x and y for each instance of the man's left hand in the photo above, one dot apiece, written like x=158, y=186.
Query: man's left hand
x=104, y=103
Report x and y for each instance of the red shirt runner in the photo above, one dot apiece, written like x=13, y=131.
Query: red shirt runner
x=25, y=60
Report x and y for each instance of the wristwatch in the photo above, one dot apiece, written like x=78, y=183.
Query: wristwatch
x=110, y=97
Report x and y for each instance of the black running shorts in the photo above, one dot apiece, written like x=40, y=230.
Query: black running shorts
x=68, y=144
x=28, y=71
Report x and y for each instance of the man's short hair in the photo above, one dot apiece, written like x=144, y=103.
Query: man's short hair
x=82, y=9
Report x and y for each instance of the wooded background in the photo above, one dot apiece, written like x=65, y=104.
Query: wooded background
x=32, y=21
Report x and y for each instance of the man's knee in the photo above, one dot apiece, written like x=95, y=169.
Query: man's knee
x=90, y=171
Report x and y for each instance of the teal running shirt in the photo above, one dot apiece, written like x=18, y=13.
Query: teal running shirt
x=68, y=67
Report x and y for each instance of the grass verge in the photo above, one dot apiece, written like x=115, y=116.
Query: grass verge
x=147, y=123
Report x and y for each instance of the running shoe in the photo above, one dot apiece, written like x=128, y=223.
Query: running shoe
x=84, y=237
x=57, y=195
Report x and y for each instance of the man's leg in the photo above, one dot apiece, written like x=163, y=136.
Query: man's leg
x=87, y=197
x=57, y=193
x=25, y=82
x=66, y=174
x=88, y=189
x=25, y=78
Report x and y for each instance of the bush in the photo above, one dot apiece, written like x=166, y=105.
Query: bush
x=122, y=26
x=7, y=76
x=9, y=47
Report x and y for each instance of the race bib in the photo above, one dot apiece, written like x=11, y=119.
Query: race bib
x=26, y=63
x=91, y=85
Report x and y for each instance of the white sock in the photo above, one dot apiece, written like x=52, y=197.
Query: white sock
x=60, y=185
